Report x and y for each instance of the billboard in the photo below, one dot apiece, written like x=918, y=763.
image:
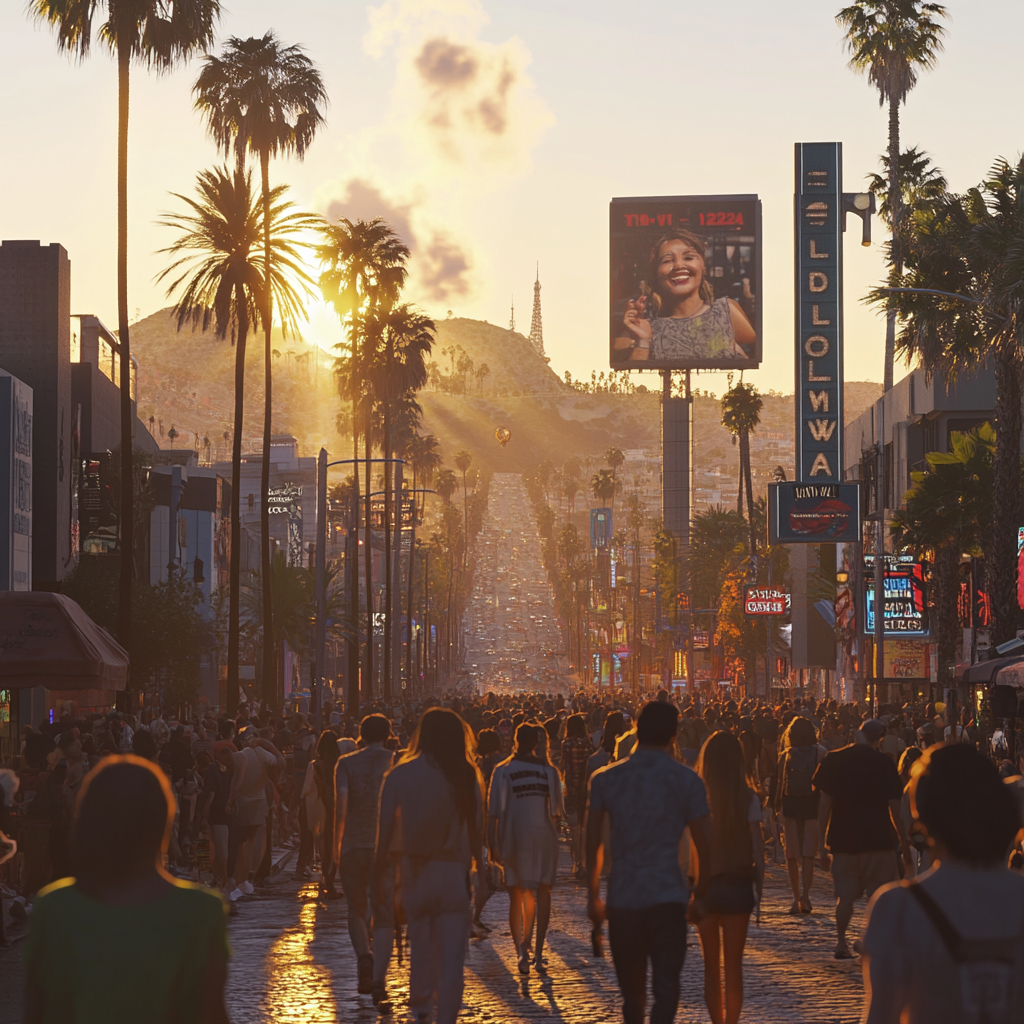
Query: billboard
x=818, y=210
x=905, y=607
x=814, y=513
x=685, y=286
x=600, y=528
x=765, y=601
x=906, y=659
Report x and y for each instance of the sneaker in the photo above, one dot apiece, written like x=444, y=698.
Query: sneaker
x=364, y=984
x=235, y=894
x=380, y=997
x=247, y=888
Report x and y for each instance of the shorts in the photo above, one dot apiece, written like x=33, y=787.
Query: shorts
x=729, y=894
x=801, y=837
x=857, y=874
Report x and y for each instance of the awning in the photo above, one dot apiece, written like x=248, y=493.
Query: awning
x=47, y=640
x=986, y=672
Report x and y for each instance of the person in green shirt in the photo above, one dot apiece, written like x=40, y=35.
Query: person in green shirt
x=123, y=940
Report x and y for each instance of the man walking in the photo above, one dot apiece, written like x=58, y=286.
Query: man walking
x=648, y=799
x=859, y=808
x=357, y=782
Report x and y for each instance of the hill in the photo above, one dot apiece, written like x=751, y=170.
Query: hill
x=186, y=381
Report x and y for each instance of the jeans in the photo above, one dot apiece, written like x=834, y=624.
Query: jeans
x=657, y=934
x=436, y=898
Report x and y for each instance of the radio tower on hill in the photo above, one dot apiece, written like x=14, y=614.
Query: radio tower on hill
x=536, y=327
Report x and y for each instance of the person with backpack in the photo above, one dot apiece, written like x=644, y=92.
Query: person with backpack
x=949, y=945
x=797, y=801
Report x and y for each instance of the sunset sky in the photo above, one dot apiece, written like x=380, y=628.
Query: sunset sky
x=493, y=134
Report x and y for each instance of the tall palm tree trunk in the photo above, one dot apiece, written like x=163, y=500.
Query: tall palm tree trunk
x=353, y=609
x=235, y=563
x=386, y=452
x=947, y=564
x=1000, y=553
x=127, y=511
x=896, y=208
x=409, y=594
x=269, y=659
x=748, y=480
x=368, y=563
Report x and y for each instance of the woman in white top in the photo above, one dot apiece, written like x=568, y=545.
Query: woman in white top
x=525, y=800
x=949, y=945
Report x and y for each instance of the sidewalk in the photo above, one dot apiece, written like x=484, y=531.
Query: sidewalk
x=293, y=964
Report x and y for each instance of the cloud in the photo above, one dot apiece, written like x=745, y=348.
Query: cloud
x=364, y=201
x=439, y=267
x=471, y=99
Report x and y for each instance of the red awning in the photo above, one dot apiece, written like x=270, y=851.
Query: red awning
x=47, y=640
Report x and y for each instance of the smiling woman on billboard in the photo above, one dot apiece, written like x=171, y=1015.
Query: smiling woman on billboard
x=678, y=318
x=684, y=282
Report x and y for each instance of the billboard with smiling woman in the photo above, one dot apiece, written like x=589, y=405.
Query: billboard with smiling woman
x=685, y=283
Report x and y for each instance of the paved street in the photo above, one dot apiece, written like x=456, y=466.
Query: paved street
x=512, y=635
x=293, y=964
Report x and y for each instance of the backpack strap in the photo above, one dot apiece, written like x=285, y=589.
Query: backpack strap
x=951, y=938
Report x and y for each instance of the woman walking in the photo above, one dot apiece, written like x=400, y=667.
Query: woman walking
x=436, y=792
x=736, y=866
x=525, y=800
x=798, y=801
x=576, y=751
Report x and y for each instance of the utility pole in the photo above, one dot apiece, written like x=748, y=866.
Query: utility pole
x=321, y=576
x=880, y=487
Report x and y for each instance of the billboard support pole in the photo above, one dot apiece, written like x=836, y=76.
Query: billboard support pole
x=880, y=501
x=675, y=468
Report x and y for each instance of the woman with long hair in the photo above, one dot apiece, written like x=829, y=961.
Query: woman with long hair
x=736, y=867
x=576, y=751
x=318, y=794
x=436, y=792
x=797, y=800
x=677, y=317
x=122, y=916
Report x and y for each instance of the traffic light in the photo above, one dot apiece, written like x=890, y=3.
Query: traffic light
x=682, y=602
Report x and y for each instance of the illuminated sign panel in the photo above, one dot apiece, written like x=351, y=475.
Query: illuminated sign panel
x=765, y=601
x=685, y=286
x=905, y=607
x=819, y=312
x=812, y=513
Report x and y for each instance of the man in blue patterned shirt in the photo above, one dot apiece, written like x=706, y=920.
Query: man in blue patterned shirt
x=649, y=798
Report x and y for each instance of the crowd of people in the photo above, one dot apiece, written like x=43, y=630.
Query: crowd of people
x=418, y=813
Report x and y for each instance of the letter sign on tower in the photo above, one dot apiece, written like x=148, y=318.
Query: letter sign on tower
x=819, y=312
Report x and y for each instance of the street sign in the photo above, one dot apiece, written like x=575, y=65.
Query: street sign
x=813, y=513
x=818, y=211
x=600, y=528
x=760, y=601
x=377, y=512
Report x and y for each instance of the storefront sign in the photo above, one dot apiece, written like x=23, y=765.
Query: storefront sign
x=765, y=601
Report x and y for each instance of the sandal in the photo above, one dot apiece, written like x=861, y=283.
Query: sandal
x=795, y=908
x=805, y=906
x=540, y=964
x=524, y=963
x=843, y=954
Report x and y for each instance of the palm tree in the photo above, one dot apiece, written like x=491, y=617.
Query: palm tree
x=424, y=452
x=158, y=34
x=363, y=270
x=602, y=485
x=921, y=185
x=217, y=266
x=264, y=99
x=615, y=458
x=445, y=484
x=948, y=511
x=971, y=250
x=892, y=40
x=463, y=460
x=396, y=343
x=571, y=487
x=741, y=413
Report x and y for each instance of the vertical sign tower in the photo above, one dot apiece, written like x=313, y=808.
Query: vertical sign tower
x=819, y=312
